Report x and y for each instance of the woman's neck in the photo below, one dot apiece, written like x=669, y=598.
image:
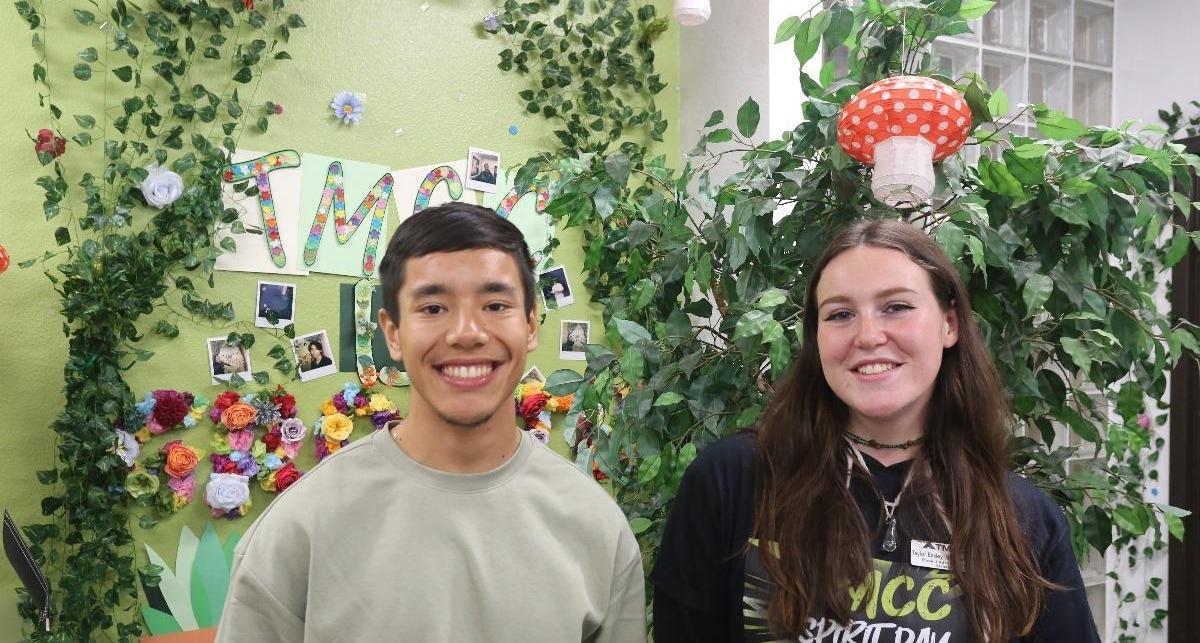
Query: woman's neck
x=888, y=432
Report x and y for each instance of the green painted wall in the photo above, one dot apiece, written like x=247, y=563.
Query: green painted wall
x=426, y=69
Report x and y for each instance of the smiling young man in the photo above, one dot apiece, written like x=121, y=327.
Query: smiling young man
x=452, y=525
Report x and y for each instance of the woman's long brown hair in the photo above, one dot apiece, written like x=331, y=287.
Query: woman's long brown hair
x=801, y=497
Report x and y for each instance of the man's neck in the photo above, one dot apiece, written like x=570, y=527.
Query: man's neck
x=433, y=442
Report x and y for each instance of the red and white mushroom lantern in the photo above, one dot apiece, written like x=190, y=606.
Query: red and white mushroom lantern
x=903, y=125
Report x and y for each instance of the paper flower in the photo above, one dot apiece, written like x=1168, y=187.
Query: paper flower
x=170, y=407
x=491, y=22
x=183, y=486
x=127, y=447
x=227, y=491
x=161, y=187
x=48, y=146
x=348, y=107
x=541, y=435
x=240, y=440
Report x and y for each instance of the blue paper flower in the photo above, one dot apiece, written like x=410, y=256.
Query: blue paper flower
x=189, y=421
x=491, y=22
x=348, y=107
x=349, y=393
x=272, y=461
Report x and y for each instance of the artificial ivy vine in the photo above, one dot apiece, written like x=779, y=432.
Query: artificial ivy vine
x=155, y=110
x=1059, y=240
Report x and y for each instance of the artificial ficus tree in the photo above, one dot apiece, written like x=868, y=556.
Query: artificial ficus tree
x=1062, y=240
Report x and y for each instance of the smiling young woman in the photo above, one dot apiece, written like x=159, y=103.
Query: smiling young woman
x=873, y=500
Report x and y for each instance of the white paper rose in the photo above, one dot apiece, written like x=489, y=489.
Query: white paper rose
x=541, y=435
x=292, y=430
x=227, y=491
x=162, y=186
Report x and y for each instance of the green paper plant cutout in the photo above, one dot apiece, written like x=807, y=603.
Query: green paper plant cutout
x=1061, y=239
x=194, y=591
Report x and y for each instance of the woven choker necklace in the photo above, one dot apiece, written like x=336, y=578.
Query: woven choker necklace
x=874, y=444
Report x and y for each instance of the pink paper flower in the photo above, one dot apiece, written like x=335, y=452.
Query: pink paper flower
x=241, y=440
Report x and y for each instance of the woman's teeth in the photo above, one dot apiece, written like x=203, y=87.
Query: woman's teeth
x=872, y=369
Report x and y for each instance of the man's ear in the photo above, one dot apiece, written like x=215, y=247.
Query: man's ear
x=391, y=334
x=531, y=342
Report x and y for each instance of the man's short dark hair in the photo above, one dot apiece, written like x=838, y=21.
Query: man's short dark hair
x=452, y=227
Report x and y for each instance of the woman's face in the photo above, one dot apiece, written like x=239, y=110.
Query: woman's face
x=314, y=351
x=880, y=334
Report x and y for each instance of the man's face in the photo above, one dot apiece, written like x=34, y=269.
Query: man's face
x=462, y=334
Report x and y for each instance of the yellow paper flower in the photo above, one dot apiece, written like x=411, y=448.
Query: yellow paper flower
x=362, y=410
x=328, y=408
x=380, y=402
x=142, y=435
x=178, y=502
x=337, y=427
x=333, y=446
x=267, y=483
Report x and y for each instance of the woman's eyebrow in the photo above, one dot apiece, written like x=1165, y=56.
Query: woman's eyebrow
x=883, y=294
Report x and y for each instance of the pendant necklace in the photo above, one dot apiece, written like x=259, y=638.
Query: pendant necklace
x=890, y=539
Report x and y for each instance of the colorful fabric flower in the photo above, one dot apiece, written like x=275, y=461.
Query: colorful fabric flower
x=226, y=400
x=272, y=461
x=240, y=440
x=541, y=435
x=161, y=187
x=248, y=467
x=348, y=107
x=154, y=427
x=327, y=408
x=127, y=447
x=292, y=430
x=337, y=427
x=286, y=476
x=271, y=440
x=48, y=146
x=350, y=392
x=227, y=491
x=380, y=402
x=180, y=459
x=238, y=416
x=268, y=411
x=170, y=408
x=185, y=486
x=286, y=403
x=491, y=22
x=146, y=406
x=141, y=483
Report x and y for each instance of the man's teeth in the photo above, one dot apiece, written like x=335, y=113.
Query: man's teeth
x=871, y=369
x=467, y=372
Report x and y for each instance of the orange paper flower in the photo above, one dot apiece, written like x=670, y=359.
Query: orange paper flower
x=238, y=416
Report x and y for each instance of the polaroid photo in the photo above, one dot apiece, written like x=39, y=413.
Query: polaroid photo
x=483, y=170
x=314, y=356
x=275, y=299
x=225, y=359
x=574, y=335
x=556, y=288
x=533, y=375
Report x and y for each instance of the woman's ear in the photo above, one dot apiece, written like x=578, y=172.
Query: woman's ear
x=950, y=326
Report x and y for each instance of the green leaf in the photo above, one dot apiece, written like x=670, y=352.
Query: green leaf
x=649, y=469
x=668, y=398
x=998, y=103
x=631, y=331
x=1097, y=528
x=124, y=74
x=1078, y=351
x=85, y=17
x=787, y=29
x=804, y=44
x=747, y=118
x=771, y=298
x=975, y=9
x=243, y=75
x=1180, y=242
x=617, y=167
x=1058, y=126
x=1174, y=518
x=1035, y=293
x=715, y=119
x=85, y=121
x=83, y=71
x=563, y=382
x=639, y=525
x=722, y=135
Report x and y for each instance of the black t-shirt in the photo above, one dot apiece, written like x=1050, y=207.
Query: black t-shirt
x=710, y=586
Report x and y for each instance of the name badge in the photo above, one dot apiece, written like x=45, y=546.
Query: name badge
x=929, y=554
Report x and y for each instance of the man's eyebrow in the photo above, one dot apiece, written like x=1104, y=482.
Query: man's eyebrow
x=435, y=289
x=839, y=299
